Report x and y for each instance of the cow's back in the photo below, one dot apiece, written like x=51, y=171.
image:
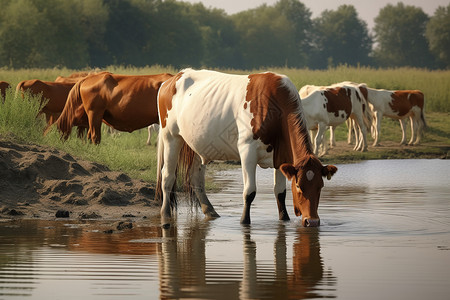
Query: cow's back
x=403, y=101
x=204, y=108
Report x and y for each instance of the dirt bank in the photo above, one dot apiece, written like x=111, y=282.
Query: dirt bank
x=41, y=182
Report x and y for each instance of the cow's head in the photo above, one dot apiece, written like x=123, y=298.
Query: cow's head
x=307, y=184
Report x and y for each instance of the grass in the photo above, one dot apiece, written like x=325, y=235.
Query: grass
x=129, y=153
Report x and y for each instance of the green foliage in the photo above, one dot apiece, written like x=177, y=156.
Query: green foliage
x=341, y=37
x=438, y=35
x=18, y=117
x=406, y=45
x=98, y=33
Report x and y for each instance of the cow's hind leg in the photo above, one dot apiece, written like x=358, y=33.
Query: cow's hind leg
x=416, y=127
x=172, y=147
x=197, y=175
x=402, y=126
x=377, y=127
x=95, y=126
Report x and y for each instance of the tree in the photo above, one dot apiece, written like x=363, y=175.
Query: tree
x=340, y=37
x=37, y=33
x=175, y=38
x=266, y=37
x=400, y=35
x=299, y=17
x=438, y=35
x=125, y=34
x=93, y=16
x=219, y=37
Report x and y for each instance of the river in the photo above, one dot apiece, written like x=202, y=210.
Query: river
x=384, y=234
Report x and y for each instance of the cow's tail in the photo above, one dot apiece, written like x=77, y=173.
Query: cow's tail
x=367, y=114
x=65, y=121
x=19, y=87
x=182, y=173
x=424, y=124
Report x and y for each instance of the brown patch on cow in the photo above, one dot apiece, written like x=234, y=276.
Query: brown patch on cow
x=276, y=117
x=166, y=92
x=403, y=101
x=245, y=105
x=338, y=100
x=364, y=92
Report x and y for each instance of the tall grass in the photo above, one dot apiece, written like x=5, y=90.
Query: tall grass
x=129, y=153
x=18, y=117
x=434, y=84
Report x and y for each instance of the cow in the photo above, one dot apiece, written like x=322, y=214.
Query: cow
x=123, y=102
x=3, y=87
x=53, y=96
x=73, y=78
x=399, y=105
x=256, y=119
x=332, y=106
x=154, y=128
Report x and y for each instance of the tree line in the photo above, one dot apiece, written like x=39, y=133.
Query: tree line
x=97, y=33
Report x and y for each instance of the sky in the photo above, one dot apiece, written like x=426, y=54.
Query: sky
x=367, y=9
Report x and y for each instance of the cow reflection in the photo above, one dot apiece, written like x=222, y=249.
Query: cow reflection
x=183, y=265
x=300, y=282
x=185, y=271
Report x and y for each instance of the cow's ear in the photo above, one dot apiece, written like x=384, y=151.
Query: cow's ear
x=329, y=171
x=288, y=170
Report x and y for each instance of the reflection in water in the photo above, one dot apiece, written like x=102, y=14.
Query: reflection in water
x=39, y=256
x=385, y=234
x=73, y=261
x=185, y=271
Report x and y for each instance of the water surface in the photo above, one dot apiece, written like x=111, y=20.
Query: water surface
x=385, y=234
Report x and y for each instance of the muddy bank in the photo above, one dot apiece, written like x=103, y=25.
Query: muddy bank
x=41, y=182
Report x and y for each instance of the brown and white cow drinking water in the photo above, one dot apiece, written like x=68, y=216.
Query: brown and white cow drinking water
x=398, y=105
x=124, y=102
x=332, y=106
x=55, y=92
x=256, y=119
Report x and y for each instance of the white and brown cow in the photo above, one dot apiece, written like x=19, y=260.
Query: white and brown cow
x=398, y=105
x=256, y=119
x=332, y=106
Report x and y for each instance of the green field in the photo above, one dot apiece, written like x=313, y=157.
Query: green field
x=129, y=153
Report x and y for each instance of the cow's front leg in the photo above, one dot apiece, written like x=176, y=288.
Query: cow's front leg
x=248, y=161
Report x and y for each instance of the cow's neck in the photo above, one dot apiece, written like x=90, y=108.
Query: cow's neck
x=299, y=139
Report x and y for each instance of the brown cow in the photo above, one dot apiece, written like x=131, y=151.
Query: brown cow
x=124, y=102
x=55, y=92
x=73, y=78
x=3, y=87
